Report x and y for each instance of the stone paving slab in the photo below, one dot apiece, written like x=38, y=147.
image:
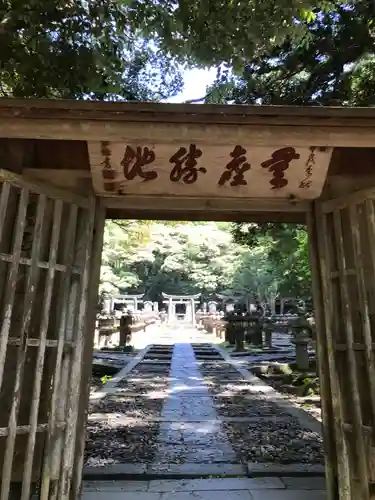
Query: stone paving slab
x=287, y=495
x=290, y=470
x=264, y=494
x=184, y=437
x=172, y=453
x=115, y=486
x=119, y=495
x=207, y=495
x=171, y=471
x=180, y=495
x=218, y=484
x=114, y=470
x=304, y=483
x=190, y=400
x=192, y=420
x=193, y=469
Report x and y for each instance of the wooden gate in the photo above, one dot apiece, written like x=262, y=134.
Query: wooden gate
x=342, y=235
x=46, y=256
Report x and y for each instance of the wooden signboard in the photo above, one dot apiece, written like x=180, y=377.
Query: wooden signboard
x=120, y=169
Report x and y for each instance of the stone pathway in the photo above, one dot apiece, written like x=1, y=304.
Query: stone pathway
x=191, y=441
x=284, y=488
x=192, y=431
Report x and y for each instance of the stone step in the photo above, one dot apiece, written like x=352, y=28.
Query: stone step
x=290, y=470
x=163, y=471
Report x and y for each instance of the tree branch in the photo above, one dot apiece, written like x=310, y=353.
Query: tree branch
x=193, y=101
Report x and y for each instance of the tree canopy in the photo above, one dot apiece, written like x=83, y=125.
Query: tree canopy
x=128, y=49
x=299, y=52
x=80, y=49
x=286, y=253
x=183, y=258
x=333, y=65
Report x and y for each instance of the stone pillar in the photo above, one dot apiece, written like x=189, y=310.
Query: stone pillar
x=273, y=307
x=193, y=311
x=156, y=306
x=239, y=334
x=170, y=312
x=281, y=306
x=230, y=329
x=188, y=311
x=107, y=303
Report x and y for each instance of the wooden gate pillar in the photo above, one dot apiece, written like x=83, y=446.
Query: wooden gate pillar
x=342, y=232
x=328, y=416
x=93, y=298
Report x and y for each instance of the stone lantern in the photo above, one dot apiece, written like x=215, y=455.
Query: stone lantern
x=300, y=331
x=268, y=329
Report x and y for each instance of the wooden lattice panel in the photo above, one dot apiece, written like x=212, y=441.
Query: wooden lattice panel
x=346, y=247
x=45, y=245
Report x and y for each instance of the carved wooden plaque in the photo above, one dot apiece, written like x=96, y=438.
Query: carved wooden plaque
x=119, y=169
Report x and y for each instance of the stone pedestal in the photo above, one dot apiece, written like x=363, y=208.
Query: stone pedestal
x=267, y=327
x=300, y=331
x=302, y=355
x=239, y=336
x=125, y=329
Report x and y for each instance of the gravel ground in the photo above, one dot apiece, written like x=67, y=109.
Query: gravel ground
x=113, y=443
x=240, y=406
x=278, y=440
x=275, y=441
x=118, y=431
x=144, y=385
x=240, y=388
x=133, y=407
x=310, y=404
x=218, y=369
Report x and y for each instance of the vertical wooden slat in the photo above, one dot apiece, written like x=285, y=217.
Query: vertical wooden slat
x=32, y=275
x=370, y=224
x=12, y=278
x=362, y=294
x=4, y=198
x=56, y=227
x=52, y=445
x=325, y=385
x=97, y=246
x=324, y=245
x=75, y=375
x=352, y=369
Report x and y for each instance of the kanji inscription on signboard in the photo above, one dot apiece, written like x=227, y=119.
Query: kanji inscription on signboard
x=200, y=170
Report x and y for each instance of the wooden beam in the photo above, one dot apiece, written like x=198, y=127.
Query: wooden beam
x=186, y=113
x=178, y=203
x=258, y=217
x=224, y=209
x=262, y=134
